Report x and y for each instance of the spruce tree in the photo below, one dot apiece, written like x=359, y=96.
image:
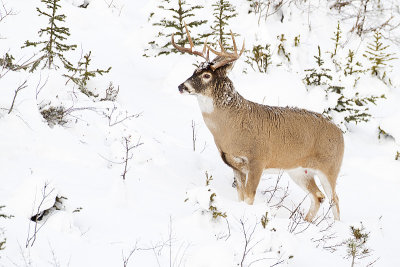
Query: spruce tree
x=281, y=47
x=52, y=46
x=318, y=75
x=260, y=56
x=3, y=240
x=352, y=66
x=223, y=12
x=336, y=38
x=81, y=74
x=378, y=56
x=179, y=13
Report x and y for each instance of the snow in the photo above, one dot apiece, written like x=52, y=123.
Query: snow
x=162, y=208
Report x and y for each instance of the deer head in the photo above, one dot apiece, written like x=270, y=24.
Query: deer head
x=209, y=73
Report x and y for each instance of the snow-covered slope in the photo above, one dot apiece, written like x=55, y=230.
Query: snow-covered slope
x=160, y=214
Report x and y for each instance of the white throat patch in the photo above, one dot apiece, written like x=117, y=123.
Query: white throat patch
x=206, y=104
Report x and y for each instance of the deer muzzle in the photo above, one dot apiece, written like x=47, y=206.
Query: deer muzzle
x=182, y=88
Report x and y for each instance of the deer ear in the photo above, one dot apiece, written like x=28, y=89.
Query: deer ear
x=226, y=68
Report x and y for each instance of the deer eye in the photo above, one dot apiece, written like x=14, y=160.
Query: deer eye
x=206, y=76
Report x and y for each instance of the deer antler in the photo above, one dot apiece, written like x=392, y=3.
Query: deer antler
x=190, y=50
x=226, y=57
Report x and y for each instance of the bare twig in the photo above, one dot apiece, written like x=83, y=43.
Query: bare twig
x=128, y=147
x=22, y=86
x=275, y=190
x=115, y=119
x=30, y=240
x=248, y=240
x=5, y=12
x=126, y=259
x=297, y=218
x=194, y=135
x=40, y=86
x=225, y=236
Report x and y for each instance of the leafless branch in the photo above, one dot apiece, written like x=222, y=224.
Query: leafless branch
x=194, y=135
x=225, y=236
x=116, y=119
x=248, y=240
x=126, y=259
x=128, y=155
x=277, y=189
x=40, y=86
x=22, y=86
x=31, y=238
x=55, y=261
x=297, y=219
x=5, y=12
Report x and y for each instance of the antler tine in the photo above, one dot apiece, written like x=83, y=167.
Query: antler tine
x=190, y=50
x=189, y=38
x=226, y=57
x=234, y=44
x=222, y=47
x=216, y=52
x=241, y=51
x=205, y=50
x=180, y=48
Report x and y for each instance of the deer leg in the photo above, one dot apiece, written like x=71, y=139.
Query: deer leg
x=240, y=179
x=329, y=183
x=306, y=181
x=253, y=180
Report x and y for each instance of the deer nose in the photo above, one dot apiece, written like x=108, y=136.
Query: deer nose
x=182, y=88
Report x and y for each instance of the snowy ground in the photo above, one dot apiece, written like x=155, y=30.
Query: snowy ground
x=160, y=211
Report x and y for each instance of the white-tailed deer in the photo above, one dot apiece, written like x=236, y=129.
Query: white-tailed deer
x=252, y=138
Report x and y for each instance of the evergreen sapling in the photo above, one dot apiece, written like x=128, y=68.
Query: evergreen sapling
x=281, y=47
x=223, y=12
x=336, y=38
x=53, y=46
x=318, y=75
x=179, y=13
x=261, y=57
x=378, y=56
x=81, y=74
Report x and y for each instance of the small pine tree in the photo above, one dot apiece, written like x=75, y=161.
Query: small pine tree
x=3, y=240
x=223, y=12
x=296, y=40
x=261, y=57
x=7, y=62
x=357, y=244
x=352, y=66
x=336, y=38
x=52, y=46
x=264, y=220
x=215, y=212
x=175, y=24
x=378, y=56
x=281, y=47
x=81, y=74
x=319, y=75
x=355, y=108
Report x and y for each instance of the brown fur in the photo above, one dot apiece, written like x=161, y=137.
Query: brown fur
x=253, y=137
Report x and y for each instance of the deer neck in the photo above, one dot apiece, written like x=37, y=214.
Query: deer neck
x=223, y=97
x=217, y=109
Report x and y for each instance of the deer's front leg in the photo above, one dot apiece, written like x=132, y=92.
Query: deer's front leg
x=253, y=180
x=240, y=178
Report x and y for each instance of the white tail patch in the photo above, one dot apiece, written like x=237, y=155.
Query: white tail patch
x=206, y=104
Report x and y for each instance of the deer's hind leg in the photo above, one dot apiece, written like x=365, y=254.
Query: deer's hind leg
x=305, y=179
x=328, y=182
